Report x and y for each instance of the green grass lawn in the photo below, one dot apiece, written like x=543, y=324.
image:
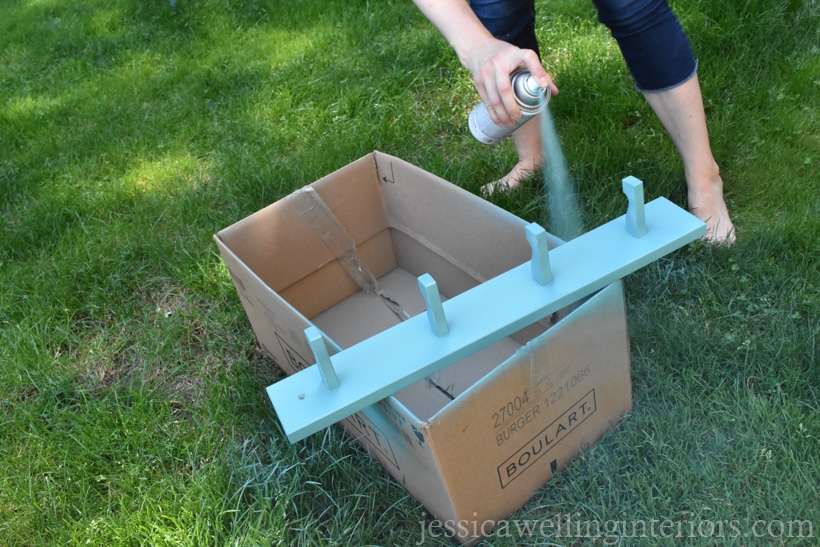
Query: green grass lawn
x=132, y=405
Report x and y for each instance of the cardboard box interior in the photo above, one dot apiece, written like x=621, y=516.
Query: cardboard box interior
x=362, y=241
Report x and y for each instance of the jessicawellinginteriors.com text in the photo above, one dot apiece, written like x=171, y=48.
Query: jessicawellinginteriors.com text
x=611, y=532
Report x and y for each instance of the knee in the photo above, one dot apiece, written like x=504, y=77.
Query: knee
x=510, y=20
x=630, y=17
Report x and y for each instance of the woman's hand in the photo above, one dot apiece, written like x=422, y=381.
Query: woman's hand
x=489, y=60
x=491, y=65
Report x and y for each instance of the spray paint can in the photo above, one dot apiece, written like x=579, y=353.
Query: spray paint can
x=528, y=95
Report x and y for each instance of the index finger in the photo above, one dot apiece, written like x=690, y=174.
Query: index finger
x=533, y=64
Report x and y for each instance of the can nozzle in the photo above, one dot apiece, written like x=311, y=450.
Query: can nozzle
x=531, y=84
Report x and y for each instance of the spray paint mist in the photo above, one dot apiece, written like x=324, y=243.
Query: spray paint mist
x=562, y=203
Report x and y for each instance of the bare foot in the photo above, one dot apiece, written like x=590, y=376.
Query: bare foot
x=511, y=180
x=707, y=204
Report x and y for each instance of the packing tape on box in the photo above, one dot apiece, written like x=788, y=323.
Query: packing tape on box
x=341, y=244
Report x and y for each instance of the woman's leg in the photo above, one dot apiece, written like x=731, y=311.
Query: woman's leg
x=514, y=22
x=530, y=148
x=680, y=109
x=660, y=58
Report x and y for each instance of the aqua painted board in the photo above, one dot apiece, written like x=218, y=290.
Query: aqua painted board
x=381, y=365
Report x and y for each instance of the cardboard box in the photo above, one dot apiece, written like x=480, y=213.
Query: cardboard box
x=476, y=440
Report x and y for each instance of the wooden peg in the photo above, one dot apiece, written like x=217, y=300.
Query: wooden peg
x=537, y=236
x=317, y=344
x=635, y=213
x=435, y=311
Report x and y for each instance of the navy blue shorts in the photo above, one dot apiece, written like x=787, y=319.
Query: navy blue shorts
x=649, y=34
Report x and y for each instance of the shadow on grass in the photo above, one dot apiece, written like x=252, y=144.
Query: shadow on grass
x=102, y=98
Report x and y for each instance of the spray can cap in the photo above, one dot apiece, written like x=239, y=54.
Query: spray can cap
x=532, y=86
x=526, y=88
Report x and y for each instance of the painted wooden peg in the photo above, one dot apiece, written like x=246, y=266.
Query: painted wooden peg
x=317, y=344
x=537, y=236
x=635, y=213
x=435, y=311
